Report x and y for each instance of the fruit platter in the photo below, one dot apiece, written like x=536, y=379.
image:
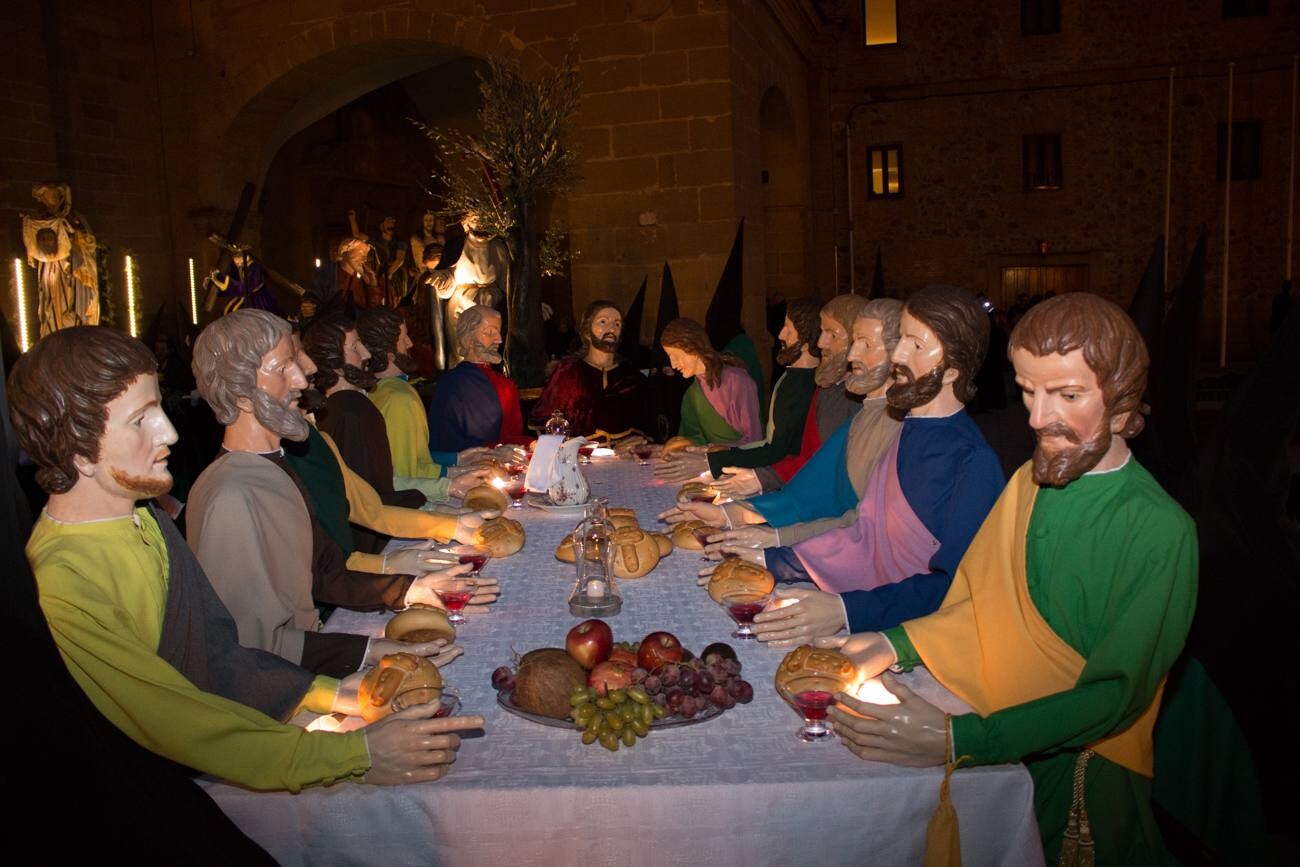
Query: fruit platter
x=616, y=693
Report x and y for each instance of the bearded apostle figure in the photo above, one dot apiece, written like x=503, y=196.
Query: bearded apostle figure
x=1068, y=609
x=62, y=248
x=595, y=389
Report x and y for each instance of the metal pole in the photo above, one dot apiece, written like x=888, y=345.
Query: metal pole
x=1169, y=163
x=1290, y=187
x=1227, y=225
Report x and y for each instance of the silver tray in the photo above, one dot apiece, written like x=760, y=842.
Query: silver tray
x=506, y=699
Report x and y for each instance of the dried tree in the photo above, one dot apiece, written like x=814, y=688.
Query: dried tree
x=521, y=153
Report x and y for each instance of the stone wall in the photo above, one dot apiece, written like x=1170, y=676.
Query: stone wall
x=960, y=91
x=79, y=104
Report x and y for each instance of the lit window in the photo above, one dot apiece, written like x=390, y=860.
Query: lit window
x=885, y=170
x=880, y=22
x=1247, y=150
x=1040, y=17
x=1041, y=161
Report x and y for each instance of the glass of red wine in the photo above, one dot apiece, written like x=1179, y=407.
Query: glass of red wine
x=475, y=555
x=702, y=535
x=743, y=605
x=643, y=453
x=516, y=469
x=811, y=696
x=455, y=595
x=585, y=450
x=515, y=490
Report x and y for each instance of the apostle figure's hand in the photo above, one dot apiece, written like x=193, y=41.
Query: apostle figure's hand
x=812, y=614
x=414, y=559
x=683, y=466
x=718, y=550
x=471, y=454
x=463, y=481
x=738, y=482
x=913, y=732
x=706, y=512
x=467, y=524
x=412, y=747
x=748, y=537
x=424, y=590
x=871, y=652
x=439, y=652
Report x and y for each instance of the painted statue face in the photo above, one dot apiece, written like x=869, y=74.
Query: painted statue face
x=834, y=344
x=279, y=375
x=134, y=447
x=1068, y=413
x=387, y=224
x=683, y=362
x=918, y=367
x=791, y=346
x=868, y=357
x=354, y=351
x=355, y=257
x=427, y=223
x=485, y=346
x=404, y=341
x=606, y=329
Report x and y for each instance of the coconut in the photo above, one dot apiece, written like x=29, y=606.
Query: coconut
x=545, y=681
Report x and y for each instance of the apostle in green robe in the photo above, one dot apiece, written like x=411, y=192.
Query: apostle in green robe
x=721, y=405
x=1068, y=609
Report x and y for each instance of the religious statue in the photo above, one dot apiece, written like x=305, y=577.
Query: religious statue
x=479, y=277
x=62, y=248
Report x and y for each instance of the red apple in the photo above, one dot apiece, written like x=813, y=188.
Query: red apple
x=589, y=643
x=610, y=675
x=621, y=654
x=658, y=648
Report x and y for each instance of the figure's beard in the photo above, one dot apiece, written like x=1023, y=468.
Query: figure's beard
x=406, y=363
x=361, y=378
x=788, y=355
x=830, y=369
x=310, y=401
x=908, y=392
x=144, y=487
x=868, y=380
x=490, y=354
x=1059, y=468
x=606, y=342
x=279, y=417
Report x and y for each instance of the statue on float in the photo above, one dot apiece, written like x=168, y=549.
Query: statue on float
x=62, y=248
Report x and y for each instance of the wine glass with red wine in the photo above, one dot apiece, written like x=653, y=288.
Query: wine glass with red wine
x=811, y=696
x=743, y=605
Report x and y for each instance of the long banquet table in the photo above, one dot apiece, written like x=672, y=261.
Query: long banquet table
x=736, y=789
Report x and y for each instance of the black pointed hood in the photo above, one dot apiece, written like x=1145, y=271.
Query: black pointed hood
x=723, y=320
x=629, y=345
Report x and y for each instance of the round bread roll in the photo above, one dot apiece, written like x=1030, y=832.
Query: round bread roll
x=684, y=534
x=622, y=512
x=398, y=674
x=817, y=668
x=635, y=552
x=420, y=623
x=735, y=574
x=665, y=544
x=696, y=492
x=675, y=444
x=564, y=552
x=501, y=536
x=484, y=497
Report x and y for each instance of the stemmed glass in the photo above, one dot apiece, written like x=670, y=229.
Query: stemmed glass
x=643, y=453
x=743, y=605
x=455, y=595
x=585, y=451
x=702, y=535
x=515, y=490
x=811, y=696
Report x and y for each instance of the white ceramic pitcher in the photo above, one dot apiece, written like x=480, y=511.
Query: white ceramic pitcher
x=568, y=484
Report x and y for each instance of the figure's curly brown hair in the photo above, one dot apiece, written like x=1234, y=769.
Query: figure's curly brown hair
x=1111, y=344
x=961, y=325
x=59, y=393
x=690, y=336
x=805, y=315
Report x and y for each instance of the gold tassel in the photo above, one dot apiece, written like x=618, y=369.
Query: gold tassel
x=1077, y=849
x=942, y=835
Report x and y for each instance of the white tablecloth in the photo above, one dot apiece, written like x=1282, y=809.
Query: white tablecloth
x=737, y=789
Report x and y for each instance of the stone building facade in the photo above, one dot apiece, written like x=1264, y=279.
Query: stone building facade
x=694, y=115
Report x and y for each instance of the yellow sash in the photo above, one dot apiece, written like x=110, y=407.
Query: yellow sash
x=990, y=646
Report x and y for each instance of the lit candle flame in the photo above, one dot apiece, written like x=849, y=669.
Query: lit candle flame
x=498, y=483
x=873, y=691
